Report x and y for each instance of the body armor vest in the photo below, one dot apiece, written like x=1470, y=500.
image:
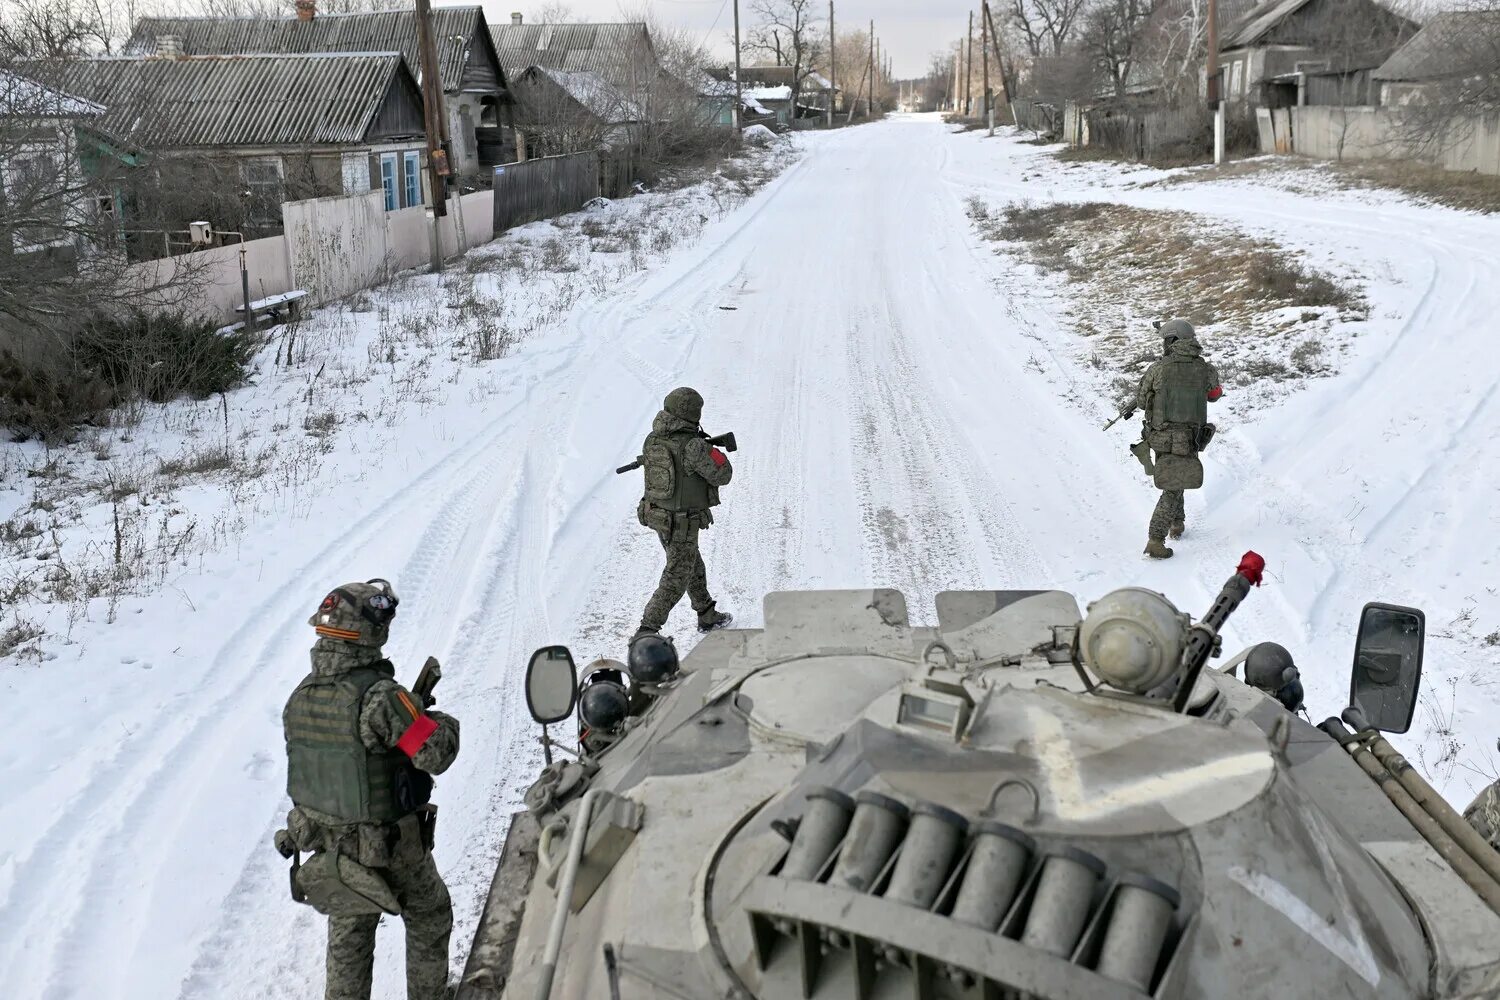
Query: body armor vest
x=329, y=768
x=1182, y=396
x=670, y=484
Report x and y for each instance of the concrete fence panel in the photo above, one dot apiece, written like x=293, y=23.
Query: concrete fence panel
x=208, y=283
x=1354, y=133
x=337, y=245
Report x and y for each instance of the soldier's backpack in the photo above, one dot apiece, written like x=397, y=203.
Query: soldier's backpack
x=661, y=470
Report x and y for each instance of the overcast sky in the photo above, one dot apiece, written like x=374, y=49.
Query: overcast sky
x=909, y=29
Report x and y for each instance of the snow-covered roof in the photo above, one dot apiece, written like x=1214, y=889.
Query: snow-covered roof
x=1452, y=44
x=597, y=95
x=768, y=93
x=21, y=95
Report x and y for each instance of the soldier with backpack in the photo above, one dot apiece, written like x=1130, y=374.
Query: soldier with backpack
x=683, y=475
x=1174, y=395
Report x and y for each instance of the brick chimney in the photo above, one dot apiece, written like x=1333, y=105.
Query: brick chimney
x=168, y=46
x=307, y=10
x=515, y=17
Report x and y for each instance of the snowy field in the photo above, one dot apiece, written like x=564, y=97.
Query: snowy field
x=913, y=409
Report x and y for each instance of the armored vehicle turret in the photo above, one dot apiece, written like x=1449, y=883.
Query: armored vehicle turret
x=1021, y=800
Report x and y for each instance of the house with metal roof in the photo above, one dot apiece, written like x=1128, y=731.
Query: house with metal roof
x=40, y=163
x=770, y=87
x=562, y=111
x=1453, y=51
x=621, y=54
x=282, y=126
x=1288, y=52
x=473, y=81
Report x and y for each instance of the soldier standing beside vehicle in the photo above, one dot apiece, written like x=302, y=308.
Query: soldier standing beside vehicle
x=683, y=476
x=1483, y=814
x=1174, y=395
x=361, y=750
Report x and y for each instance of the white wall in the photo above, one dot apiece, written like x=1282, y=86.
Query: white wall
x=1374, y=133
x=211, y=283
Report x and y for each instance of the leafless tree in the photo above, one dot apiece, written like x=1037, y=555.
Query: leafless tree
x=790, y=32
x=1111, y=36
x=54, y=28
x=1045, y=26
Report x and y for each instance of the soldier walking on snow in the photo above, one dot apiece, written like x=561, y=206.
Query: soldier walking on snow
x=683, y=475
x=1174, y=395
x=361, y=750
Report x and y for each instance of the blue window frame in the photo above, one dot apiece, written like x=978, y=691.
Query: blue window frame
x=388, y=181
x=413, y=171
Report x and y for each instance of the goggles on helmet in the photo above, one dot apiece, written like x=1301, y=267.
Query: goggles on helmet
x=377, y=609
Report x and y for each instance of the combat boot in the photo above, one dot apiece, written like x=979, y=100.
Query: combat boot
x=1157, y=549
x=1176, y=530
x=710, y=618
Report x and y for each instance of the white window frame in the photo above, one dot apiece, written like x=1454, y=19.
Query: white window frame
x=389, y=174
x=411, y=178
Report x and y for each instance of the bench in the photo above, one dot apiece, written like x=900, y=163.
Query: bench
x=273, y=307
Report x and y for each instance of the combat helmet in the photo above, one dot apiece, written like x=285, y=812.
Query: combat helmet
x=360, y=613
x=1270, y=668
x=1174, y=330
x=684, y=404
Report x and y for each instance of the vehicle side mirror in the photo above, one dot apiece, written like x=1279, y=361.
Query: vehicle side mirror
x=1388, y=665
x=551, y=684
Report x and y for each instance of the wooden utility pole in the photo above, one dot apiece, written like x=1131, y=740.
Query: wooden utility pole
x=1215, y=99
x=1010, y=94
x=870, y=97
x=877, y=80
x=739, y=101
x=833, y=65
x=969, y=68
x=984, y=43
x=432, y=108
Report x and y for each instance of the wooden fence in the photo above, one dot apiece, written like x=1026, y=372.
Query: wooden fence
x=544, y=188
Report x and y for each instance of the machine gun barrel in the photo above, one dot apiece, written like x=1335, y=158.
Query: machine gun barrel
x=1205, y=634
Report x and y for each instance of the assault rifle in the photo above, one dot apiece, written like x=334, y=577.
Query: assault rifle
x=725, y=441
x=432, y=672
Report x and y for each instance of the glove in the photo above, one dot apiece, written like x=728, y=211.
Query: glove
x=1127, y=413
x=1215, y=393
x=718, y=456
x=284, y=845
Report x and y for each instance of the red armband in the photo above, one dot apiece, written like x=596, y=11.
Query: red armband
x=416, y=735
x=718, y=457
x=422, y=725
x=1215, y=393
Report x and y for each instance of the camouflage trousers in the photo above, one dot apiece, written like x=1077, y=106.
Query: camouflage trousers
x=1169, y=510
x=427, y=913
x=1483, y=814
x=684, y=574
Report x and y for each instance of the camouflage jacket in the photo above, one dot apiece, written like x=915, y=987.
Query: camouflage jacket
x=1484, y=814
x=1159, y=372
x=697, y=454
x=389, y=713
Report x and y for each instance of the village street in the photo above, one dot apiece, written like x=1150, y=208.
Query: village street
x=908, y=414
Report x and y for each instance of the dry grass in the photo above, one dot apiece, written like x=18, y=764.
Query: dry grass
x=1265, y=314
x=1470, y=191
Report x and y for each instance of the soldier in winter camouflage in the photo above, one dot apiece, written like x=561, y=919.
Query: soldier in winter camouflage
x=360, y=753
x=1484, y=814
x=683, y=476
x=1174, y=395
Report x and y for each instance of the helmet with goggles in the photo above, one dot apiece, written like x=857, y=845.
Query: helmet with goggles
x=360, y=613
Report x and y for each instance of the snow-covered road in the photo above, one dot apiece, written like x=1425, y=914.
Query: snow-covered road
x=907, y=417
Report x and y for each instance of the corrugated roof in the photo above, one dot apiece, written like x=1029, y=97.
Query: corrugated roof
x=236, y=100
x=612, y=51
x=596, y=94
x=1249, y=28
x=376, y=31
x=21, y=95
x=1454, y=44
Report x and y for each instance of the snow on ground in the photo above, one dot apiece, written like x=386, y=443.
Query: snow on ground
x=913, y=410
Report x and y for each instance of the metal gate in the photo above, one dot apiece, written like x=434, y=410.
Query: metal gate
x=544, y=188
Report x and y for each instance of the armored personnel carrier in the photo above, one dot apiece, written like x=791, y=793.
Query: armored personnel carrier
x=1021, y=801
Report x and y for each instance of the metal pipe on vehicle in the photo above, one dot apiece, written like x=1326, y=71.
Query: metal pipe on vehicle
x=1487, y=888
x=565, y=883
x=819, y=833
x=878, y=824
x=1433, y=804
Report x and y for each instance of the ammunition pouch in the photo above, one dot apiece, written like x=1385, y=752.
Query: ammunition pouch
x=427, y=825
x=338, y=886
x=1205, y=435
x=1173, y=439
x=1178, y=472
x=673, y=525
x=1142, y=452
